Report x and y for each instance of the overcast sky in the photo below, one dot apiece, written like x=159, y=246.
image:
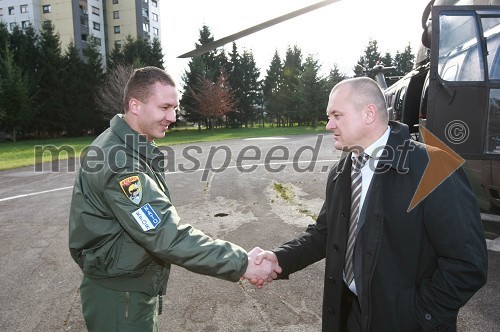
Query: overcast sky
x=335, y=34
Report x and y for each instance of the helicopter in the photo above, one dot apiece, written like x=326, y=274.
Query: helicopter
x=453, y=90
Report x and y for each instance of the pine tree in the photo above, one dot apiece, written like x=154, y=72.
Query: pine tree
x=251, y=93
x=4, y=38
x=404, y=62
x=52, y=113
x=235, y=77
x=93, y=77
x=156, y=55
x=74, y=104
x=209, y=66
x=272, y=89
x=15, y=99
x=368, y=60
x=137, y=52
x=292, y=70
x=387, y=60
x=312, y=91
x=192, y=79
x=24, y=46
x=334, y=77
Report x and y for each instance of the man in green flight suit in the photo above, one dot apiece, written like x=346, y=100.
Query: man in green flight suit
x=124, y=232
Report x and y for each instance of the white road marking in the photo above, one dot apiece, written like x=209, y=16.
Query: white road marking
x=177, y=172
x=34, y=194
x=490, y=217
x=493, y=245
x=263, y=138
x=247, y=165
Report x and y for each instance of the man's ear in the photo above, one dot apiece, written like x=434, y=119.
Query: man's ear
x=371, y=113
x=133, y=106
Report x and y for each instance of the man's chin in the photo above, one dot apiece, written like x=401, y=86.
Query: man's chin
x=159, y=136
x=340, y=146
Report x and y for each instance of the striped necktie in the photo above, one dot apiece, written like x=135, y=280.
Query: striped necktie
x=356, y=183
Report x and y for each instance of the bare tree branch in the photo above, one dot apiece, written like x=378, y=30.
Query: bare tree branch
x=109, y=96
x=214, y=99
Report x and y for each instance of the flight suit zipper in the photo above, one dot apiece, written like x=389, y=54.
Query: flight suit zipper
x=160, y=302
x=127, y=300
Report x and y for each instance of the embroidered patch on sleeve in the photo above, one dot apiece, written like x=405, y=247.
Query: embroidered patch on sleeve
x=146, y=217
x=132, y=188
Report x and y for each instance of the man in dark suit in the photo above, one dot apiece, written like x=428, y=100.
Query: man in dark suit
x=388, y=267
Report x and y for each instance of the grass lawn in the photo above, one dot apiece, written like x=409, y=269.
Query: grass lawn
x=13, y=155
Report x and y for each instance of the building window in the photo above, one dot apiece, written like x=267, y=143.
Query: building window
x=11, y=10
x=84, y=37
x=84, y=21
x=116, y=14
x=115, y=2
x=95, y=10
x=25, y=24
x=1, y=11
x=97, y=26
x=46, y=9
x=24, y=8
x=145, y=12
x=156, y=32
x=154, y=3
x=117, y=29
x=118, y=44
x=145, y=2
x=155, y=17
x=12, y=26
x=96, y=40
x=145, y=26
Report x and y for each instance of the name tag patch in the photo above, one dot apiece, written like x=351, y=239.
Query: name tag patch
x=146, y=217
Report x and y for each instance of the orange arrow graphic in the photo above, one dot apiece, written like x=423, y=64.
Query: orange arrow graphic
x=440, y=167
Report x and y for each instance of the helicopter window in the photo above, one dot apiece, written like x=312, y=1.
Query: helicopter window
x=459, y=55
x=491, y=28
x=450, y=72
x=493, y=125
x=399, y=104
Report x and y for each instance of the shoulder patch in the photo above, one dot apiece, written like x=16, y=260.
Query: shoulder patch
x=132, y=188
x=146, y=217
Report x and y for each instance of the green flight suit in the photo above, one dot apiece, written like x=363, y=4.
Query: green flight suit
x=124, y=232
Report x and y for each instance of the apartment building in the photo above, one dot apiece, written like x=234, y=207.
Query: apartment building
x=108, y=22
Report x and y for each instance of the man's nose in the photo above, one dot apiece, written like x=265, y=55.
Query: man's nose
x=330, y=125
x=171, y=116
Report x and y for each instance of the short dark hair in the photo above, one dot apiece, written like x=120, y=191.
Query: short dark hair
x=140, y=82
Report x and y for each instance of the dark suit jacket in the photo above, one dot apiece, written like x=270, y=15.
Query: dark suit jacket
x=413, y=270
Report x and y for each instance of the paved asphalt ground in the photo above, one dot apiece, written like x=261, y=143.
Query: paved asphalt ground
x=39, y=281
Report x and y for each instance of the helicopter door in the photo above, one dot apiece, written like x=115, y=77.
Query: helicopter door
x=464, y=79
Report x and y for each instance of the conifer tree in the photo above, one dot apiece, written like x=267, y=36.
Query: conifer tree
x=15, y=99
x=272, y=89
x=368, y=60
x=292, y=71
x=51, y=90
x=74, y=103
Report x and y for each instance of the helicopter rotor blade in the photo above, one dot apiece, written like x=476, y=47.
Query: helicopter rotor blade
x=220, y=42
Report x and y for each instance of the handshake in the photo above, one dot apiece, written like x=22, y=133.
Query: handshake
x=262, y=267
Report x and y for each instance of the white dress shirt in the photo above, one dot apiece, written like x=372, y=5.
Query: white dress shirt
x=367, y=171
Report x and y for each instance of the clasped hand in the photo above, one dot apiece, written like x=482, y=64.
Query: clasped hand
x=262, y=267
